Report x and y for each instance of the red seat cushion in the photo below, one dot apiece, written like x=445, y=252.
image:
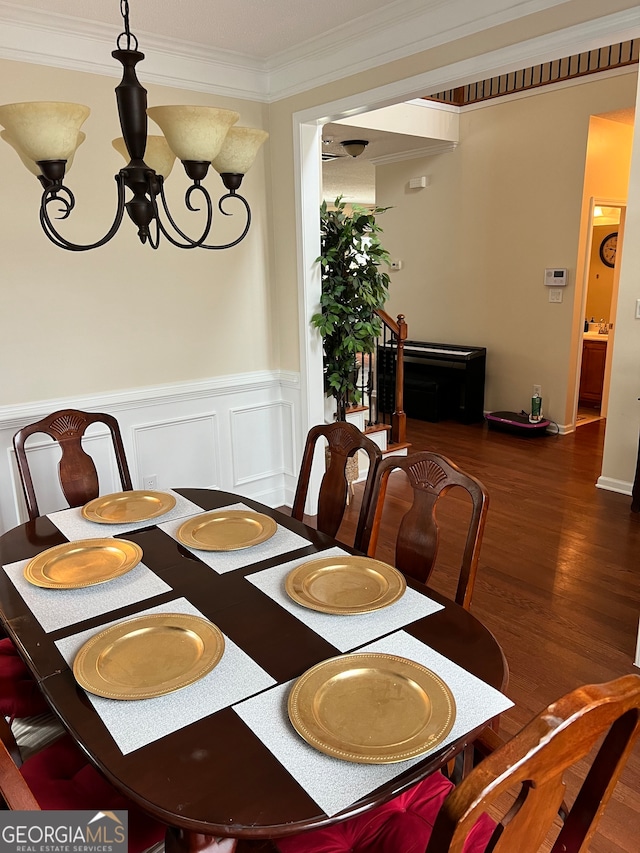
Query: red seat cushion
x=20, y=695
x=61, y=778
x=403, y=825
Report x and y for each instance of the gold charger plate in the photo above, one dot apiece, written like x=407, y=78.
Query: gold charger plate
x=122, y=507
x=371, y=708
x=148, y=656
x=85, y=562
x=345, y=585
x=226, y=530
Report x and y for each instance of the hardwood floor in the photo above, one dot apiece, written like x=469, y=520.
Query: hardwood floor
x=559, y=575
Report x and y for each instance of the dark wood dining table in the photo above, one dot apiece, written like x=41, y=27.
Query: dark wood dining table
x=241, y=791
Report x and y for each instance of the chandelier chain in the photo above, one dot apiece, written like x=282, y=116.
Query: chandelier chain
x=124, y=11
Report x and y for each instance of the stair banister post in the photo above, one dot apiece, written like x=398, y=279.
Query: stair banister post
x=399, y=418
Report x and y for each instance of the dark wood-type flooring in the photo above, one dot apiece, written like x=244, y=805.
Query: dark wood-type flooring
x=559, y=575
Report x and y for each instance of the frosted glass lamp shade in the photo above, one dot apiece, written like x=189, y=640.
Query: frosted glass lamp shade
x=239, y=150
x=157, y=154
x=44, y=130
x=31, y=165
x=194, y=133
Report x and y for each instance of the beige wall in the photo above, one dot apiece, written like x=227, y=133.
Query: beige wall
x=505, y=205
x=123, y=316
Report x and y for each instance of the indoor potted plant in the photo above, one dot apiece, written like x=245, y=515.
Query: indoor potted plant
x=353, y=287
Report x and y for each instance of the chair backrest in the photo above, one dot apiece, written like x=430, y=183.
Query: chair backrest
x=430, y=476
x=343, y=442
x=535, y=761
x=76, y=470
x=13, y=787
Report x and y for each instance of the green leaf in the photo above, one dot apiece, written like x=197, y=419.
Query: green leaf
x=353, y=288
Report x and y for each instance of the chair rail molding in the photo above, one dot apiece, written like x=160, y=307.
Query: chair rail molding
x=237, y=433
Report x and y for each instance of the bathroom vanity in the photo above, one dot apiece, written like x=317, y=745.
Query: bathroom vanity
x=594, y=356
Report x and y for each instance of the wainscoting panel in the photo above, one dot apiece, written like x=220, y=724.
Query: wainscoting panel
x=191, y=461
x=262, y=440
x=237, y=433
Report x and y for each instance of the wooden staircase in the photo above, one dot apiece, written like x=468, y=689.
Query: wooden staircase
x=384, y=424
x=380, y=433
x=381, y=413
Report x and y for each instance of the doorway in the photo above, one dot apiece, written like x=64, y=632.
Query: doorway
x=600, y=300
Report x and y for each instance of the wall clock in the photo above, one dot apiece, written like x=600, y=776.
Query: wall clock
x=608, y=249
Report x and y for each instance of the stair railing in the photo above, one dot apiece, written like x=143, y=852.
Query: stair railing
x=387, y=379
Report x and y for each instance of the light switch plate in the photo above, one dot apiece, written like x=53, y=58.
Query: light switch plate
x=555, y=294
x=637, y=309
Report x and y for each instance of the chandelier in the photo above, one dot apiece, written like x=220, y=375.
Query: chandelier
x=46, y=135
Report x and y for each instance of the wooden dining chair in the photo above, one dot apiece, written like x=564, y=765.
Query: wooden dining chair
x=344, y=440
x=512, y=800
x=77, y=471
x=60, y=777
x=430, y=476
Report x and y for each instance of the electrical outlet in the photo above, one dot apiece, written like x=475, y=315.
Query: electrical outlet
x=150, y=483
x=537, y=389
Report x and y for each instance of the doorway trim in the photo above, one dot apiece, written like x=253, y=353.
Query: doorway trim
x=597, y=201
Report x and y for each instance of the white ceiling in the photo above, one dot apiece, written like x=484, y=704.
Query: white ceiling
x=258, y=49
x=354, y=177
x=259, y=29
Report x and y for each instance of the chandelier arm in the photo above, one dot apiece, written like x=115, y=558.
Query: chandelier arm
x=246, y=227
x=63, y=196
x=49, y=195
x=190, y=243
x=173, y=240
x=154, y=243
x=50, y=234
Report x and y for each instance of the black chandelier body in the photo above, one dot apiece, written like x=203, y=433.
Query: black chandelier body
x=147, y=200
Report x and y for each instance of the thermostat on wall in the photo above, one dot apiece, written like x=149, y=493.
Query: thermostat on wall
x=555, y=278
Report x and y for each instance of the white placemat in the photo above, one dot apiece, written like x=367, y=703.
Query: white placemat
x=336, y=784
x=72, y=524
x=133, y=724
x=344, y=632
x=57, y=608
x=282, y=541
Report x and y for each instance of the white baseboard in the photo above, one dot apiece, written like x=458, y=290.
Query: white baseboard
x=610, y=485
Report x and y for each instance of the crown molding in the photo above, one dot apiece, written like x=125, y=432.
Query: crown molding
x=59, y=41
x=436, y=147
x=390, y=33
